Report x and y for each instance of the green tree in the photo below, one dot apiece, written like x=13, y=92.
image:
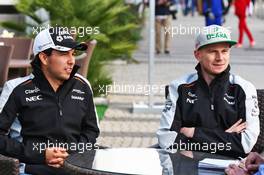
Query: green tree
x=110, y=22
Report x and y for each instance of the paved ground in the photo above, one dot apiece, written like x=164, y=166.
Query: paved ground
x=121, y=128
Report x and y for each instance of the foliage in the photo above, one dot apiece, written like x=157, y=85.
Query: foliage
x=113, y=24
x=101, y=109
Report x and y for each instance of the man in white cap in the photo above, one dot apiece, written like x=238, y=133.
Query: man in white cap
x=211, y=110
x=53, y=107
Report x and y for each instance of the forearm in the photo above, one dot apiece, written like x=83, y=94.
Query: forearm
x=89, y=136
x=232, y=141
x=13, y=148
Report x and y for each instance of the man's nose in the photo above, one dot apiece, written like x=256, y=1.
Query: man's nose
x=71, y=59
x=219, y=56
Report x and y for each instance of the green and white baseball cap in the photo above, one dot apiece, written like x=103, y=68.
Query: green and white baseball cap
x=213, y=34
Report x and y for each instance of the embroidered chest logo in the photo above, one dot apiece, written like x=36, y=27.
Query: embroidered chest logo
x=191, y=98
x=229, y=99
x=77, y=98
x=32, y=91
x=78, y=91
x=34, y=98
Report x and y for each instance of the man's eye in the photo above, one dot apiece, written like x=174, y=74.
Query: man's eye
x=74, y=53
x=63, y=52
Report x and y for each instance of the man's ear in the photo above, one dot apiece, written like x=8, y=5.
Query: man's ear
x=197, y=55
x=43, y=58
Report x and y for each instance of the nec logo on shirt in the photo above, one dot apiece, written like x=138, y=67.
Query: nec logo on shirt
x=188, y=100
x=34, y=98
x=191, y=98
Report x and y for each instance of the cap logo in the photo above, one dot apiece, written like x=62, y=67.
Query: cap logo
x=216, y=35
x=59, y=38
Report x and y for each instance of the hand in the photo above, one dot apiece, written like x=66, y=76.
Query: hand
x=238, y=127
x=235, y=170
x=253, y=161
x=188, y=132
x=55, y=156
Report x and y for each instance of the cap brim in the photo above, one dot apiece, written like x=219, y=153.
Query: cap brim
x=81, y=46
x=71, y=45
x=231, y=42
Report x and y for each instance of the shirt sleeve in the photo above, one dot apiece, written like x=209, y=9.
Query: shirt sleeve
x=90, y=124
x=170, y=118
x=242, y=142
x=12, y=147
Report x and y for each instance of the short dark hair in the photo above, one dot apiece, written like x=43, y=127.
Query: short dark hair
x=47, y=52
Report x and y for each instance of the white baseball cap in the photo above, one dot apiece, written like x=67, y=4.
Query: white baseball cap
x=56, y=38
x=213, y=34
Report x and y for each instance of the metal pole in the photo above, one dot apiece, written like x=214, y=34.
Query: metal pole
x=151, y=50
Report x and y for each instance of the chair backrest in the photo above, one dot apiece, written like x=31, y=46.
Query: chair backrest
x=22, y=47
x=166, y=91
x=9, y=165
x=259, y=146
x=84, y=59
x=5, y=56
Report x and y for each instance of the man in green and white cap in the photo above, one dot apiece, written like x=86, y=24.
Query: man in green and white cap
x=214, y=109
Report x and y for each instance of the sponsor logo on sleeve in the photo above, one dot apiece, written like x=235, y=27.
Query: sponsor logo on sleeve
x=73, y=97
x=168, y=106
x=255, y=109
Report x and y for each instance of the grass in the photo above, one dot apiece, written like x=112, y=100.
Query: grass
x=101, y=111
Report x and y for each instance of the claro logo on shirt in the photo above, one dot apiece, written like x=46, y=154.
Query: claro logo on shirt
x=34, y=98
x=32, y=91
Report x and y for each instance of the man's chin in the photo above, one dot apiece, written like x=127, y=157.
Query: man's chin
x=64, y=78
x=217, y=71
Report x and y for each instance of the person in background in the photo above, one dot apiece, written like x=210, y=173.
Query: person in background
x=163, y=20
x=213, y=11
x=240, y=12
